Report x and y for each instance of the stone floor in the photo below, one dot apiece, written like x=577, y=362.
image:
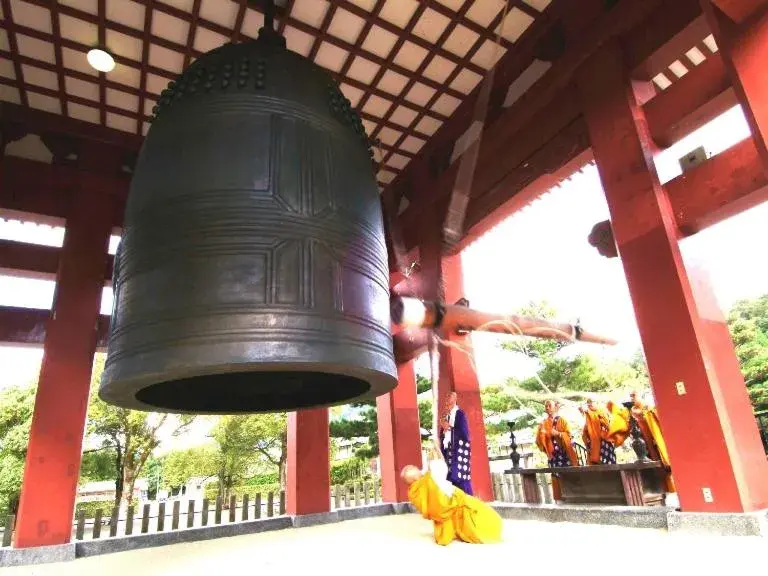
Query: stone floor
x=387, y=545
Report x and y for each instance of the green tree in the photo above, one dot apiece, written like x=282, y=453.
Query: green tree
x=243, y=441
x=748, y=324
x=16, y=406
x=131, y=434
x=97, y=465
x=365, y=424
x=181, y=465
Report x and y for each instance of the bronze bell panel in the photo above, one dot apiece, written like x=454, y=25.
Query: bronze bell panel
x=252, y=273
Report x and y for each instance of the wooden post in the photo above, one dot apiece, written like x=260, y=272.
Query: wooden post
x=217, y=517
x=307, y=464
x=161, y=517
x=685, y=335
x=191, y=514
x=54, y=448
x=80, y=530
x=397, y=415
x=270, y=504
x=145, y=519
x=129, y=521
x=113, y=520
x=546, y=494
x=530, y=489
x=206, y=506
x=175, y=518
x=97, y=524
x=10, y=524
x=232, y=508
x=282, y=502
x=257, y=506
x=245, y=507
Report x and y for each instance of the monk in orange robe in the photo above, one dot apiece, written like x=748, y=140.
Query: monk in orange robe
x=618, y=429
x=597, y=426
x=454, y=514
x=650, y=429
x=554, y=439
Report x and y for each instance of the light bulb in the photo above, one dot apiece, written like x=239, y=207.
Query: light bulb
x=101, y=60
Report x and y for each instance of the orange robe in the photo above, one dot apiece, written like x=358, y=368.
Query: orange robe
x=650, y=428
x=458, y=516
x=596, y=428
x=546, y=443
x=618, y=430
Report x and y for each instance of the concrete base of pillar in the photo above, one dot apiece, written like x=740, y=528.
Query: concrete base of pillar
x=657, y=517
x=627, y=516
x=720, y=524
x=38, y=555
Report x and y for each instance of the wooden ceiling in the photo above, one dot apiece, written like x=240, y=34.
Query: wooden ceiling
x=405, y=65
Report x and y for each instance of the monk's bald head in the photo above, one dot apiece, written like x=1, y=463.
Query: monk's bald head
x=410, y=474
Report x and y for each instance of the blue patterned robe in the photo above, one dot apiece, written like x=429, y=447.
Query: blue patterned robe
x=458, y=454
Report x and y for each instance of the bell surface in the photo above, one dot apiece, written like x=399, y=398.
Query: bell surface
x=252, y=272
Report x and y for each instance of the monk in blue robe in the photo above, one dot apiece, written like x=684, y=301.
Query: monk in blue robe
x=455, y=445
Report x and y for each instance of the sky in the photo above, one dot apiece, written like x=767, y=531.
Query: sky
x=540, y=253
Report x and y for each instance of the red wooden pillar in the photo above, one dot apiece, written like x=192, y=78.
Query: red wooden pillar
x=706, y=415
x=458, y=374
x=55, y=439
x=308, y=489
x=399, y=433
x=742, y=39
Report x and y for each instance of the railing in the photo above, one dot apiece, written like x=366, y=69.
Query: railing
x=509, y=488
x=154, y=517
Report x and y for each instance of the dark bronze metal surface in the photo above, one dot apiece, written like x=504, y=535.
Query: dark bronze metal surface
x=252, y=274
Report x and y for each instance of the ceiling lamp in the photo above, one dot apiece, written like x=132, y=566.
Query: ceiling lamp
x=101, y=60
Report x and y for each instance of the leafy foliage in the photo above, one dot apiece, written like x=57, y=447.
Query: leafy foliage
x=365, y=424
x=133, y=435
x=244, y=441
x=16, y=406
x=98, y=465
x=748, y=324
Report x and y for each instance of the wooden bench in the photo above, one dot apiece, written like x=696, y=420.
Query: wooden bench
x=636, y=484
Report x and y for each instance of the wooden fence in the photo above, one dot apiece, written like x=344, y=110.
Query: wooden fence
x=178, y=515
x=508, y=488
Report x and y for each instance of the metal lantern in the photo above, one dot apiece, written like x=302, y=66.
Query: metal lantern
x=252, y=273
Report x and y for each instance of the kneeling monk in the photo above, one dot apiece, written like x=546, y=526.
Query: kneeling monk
x=455, y=515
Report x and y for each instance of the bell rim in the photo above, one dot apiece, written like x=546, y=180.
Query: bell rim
x=123, y=392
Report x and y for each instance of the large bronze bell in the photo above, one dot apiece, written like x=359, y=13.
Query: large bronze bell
x=252, y=273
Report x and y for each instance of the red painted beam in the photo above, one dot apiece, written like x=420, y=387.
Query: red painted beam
x=723, y=186
x=686, y=28
x=517, y=135
x=20, y=258
x=39, y=122
x=408, y=344
x=744, y=48
x=46, y=189
x=689, y=103
x=739, y=10
x=28, y=326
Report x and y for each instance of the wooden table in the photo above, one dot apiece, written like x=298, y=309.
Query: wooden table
x=636, y=484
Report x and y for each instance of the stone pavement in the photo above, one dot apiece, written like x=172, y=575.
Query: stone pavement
x=391, y=544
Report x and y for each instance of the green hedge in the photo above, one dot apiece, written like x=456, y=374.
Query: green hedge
x=212, y=490
x=90, y=507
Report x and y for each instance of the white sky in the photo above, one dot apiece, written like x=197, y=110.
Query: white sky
x=539, y=253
